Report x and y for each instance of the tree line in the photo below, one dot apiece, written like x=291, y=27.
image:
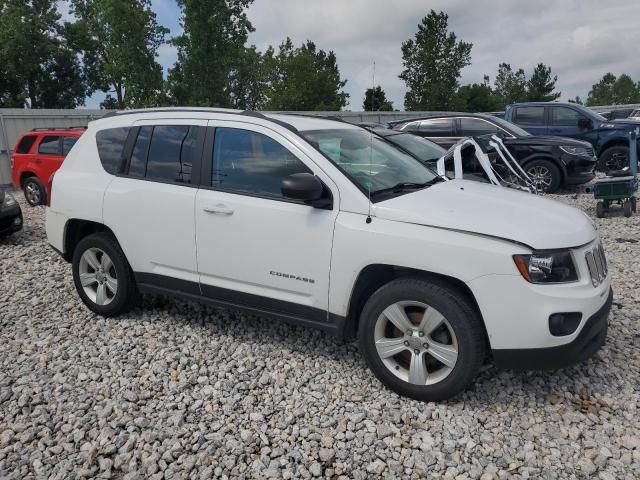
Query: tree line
x=112, y=46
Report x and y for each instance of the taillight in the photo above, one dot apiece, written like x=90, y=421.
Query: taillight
x=49, y=189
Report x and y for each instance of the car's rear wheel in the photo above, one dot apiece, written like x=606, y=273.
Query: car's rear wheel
x=614, y=158
x=545, y=175
x=34, y=191
x=422, y=339
x=102, y=275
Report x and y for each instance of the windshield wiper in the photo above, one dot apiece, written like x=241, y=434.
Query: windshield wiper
x=406, y=186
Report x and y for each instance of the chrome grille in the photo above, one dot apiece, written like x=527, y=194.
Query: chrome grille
x=597, y=263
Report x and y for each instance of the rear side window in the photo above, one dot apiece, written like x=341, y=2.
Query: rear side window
x=111, y=148
x=437, y=127
x=171, y=153
x=49, y=145
x=530, y=115
x=252, y=163
x=138, y=164
x=67, y=144
x=25, y=144
x=476, y=126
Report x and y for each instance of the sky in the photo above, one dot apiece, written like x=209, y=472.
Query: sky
x=580, y=39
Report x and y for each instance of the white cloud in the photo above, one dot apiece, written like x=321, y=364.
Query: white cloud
x=580, y=39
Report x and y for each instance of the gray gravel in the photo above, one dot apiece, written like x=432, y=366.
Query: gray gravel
x=155, y=394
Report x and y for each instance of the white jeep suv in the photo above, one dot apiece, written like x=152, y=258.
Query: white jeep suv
x=325, y=224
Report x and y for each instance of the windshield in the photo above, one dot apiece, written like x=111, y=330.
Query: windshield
x=422, y=149
x=368, y=160
x=510, y=127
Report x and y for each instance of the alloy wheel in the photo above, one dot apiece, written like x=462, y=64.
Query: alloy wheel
x=618, y=161
x=32, y=192
x=98, y=276
x=416, y=343
x=541, y=177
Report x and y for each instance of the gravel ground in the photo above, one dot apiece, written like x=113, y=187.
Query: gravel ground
x=155, y=394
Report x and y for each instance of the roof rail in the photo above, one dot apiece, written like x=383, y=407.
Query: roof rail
x=262, y=116
x=44, y=129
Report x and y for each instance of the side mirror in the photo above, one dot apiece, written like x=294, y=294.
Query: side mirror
x=585, y=123
x=306, y=187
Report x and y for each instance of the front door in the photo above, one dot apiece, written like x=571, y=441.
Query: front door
x=255, y=247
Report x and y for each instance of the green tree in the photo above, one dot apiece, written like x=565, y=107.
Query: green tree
x=250, y=80
x=211, y=51
x=510, y=86
x=432, y=62
x=120, y=40
x=477, y=97
x=541, y=84
x=375, y=99
x=305, y=78
x=38, y=66
x=601, y=93
x=625, y=91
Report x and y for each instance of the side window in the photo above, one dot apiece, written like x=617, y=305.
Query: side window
x=171, y=152
x=437, y=127
x=111, y=147
x=475, y=126
x=530, y=115
x=249, y=162
x=565, y=116
x=49, y=145
x=26, y=143
x=67, y=144
x=138, y=164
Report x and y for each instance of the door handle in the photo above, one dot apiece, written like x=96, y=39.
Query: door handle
x=219, y=209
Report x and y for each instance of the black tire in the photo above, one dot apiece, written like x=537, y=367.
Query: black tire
x=634, y=204
x=600, y=210
x=536, y=169
x=628, y=208
x=461, y=317
x=34, y=192
x=126, y=293
x=614, y=158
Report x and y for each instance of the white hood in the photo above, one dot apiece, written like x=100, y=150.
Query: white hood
x=476, y=207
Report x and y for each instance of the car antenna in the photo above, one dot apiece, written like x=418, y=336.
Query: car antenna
x=373, y=89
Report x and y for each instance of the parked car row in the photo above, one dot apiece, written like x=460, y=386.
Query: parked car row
x=609, y=138
x=551, y=162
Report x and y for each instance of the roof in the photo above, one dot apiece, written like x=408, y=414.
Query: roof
x=445, y=115
x=290, y=121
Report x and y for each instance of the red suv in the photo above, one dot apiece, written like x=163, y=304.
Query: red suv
x=37, y=155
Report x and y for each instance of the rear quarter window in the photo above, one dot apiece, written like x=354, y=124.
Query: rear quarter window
x=111, y=148
x=26, y=143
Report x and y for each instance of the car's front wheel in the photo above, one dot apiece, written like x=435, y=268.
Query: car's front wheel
x=422, y=338
x=545, y=175
x=614, y=158
x=102, y=275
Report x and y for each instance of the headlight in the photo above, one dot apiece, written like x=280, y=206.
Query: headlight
x=582, y=151
x=552, y=267
x=8, y=200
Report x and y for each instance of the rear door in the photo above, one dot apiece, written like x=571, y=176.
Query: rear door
x=150, y=206
x=531, y=118
x=48, y=157
x=439, y=130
